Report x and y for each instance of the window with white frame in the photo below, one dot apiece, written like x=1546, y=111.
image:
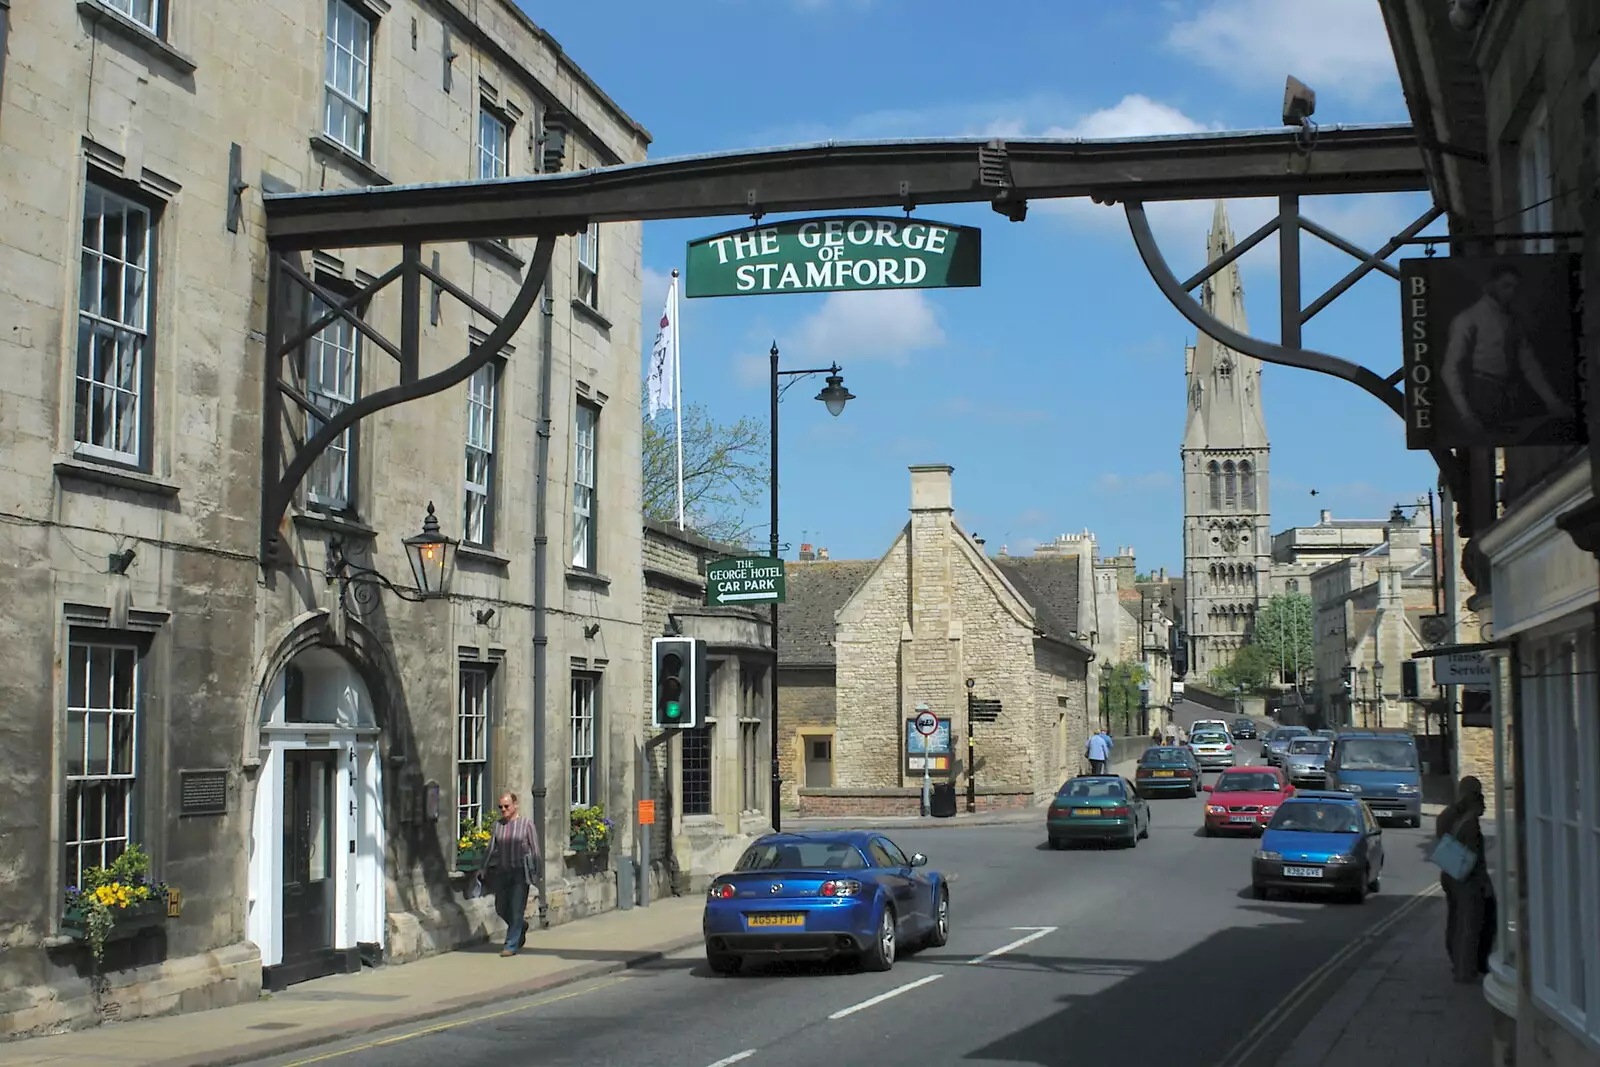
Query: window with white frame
x=483, y=392
x=332, y=383
x=584, y=544
x=494, y=141
x=752, y=708
x=1563, y=823
x=581, y=762
x=1534, y=179
x=102, y=751
x=589, y=265
x=347, y=94
x=146, y=13
x=472, y=741
x=114, y=344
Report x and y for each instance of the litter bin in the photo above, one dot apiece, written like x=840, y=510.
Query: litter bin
x=942, y=805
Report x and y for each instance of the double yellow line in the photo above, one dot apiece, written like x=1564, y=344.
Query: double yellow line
x=441, y=1027
x=1240, y=1053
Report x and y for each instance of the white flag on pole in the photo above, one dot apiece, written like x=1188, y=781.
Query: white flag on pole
x=661, y=382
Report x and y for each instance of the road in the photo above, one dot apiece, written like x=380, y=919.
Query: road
x=1155, y=954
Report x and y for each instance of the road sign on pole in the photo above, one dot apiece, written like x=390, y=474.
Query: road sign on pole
x=927, y=725
x=745, y=580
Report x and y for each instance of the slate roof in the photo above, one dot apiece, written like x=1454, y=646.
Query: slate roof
x=816, y=590
x=1050, y=584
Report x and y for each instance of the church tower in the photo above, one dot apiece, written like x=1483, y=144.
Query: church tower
x=1227, y=537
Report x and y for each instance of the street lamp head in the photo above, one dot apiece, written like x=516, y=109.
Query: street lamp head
x=431, y=554
x=834, y=395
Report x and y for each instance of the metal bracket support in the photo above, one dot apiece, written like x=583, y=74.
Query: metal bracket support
x=289, y=328
x=1290, y=351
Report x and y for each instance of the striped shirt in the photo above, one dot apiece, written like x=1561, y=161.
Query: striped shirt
x=514, y=841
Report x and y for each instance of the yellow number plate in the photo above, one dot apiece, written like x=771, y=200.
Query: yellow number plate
x=1086, y=811
x=1164, y=774
x=786, y=919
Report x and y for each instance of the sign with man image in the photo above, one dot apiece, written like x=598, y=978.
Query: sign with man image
x=1491, y=351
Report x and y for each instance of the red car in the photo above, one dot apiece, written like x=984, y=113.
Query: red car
x=1245, y=798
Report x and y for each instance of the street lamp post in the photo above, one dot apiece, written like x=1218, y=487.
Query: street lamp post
x=1366, y=715
x=429, y=552
x=1105, y=696
x=1377, y=691
x=834, y=396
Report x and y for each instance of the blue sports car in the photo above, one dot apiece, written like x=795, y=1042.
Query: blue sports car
x=820, y=895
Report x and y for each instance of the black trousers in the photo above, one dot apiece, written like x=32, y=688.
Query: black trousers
x=1097, y=766
x=1472, y=923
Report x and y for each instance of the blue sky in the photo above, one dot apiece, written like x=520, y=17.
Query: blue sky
x=1056, y=389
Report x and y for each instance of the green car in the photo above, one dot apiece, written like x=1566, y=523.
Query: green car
x=1168, y=769
x=1097, y=808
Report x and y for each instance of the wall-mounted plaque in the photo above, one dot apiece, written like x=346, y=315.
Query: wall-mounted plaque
x=202, y=793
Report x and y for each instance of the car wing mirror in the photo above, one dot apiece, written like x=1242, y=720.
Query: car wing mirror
x=1208, y=788
x=918, y=860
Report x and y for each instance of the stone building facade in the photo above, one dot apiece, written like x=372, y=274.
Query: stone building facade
x=931, y=614
x=712, y=784
x=294, y=762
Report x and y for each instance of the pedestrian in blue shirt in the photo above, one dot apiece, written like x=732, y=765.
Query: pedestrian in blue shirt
x=1098, y=751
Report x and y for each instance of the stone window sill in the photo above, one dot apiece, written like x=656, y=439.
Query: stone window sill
x=479, y=554
x=335, y=524
x=136, y=35
x=324, y=145
x=578, y=577
x=500, y=250
x=584, y=311
x=72, y=469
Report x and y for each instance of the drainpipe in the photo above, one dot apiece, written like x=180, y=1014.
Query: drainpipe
x=541, y=637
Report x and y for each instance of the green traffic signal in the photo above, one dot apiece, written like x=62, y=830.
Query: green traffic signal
x=673, y=709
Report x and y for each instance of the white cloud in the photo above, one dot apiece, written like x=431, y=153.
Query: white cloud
x=889, y=324
x=1328, y=44
x=1135, y=115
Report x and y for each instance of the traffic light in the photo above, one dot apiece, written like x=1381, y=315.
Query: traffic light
x=678, y=680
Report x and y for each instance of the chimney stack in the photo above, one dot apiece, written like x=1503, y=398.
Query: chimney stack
x=1327, y=518
x=806, y=554
x=822, y=553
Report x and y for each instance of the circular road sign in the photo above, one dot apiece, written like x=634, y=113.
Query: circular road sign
x=927, y=724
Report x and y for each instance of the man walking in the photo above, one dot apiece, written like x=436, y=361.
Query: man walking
x=1098, y=750
x=1471, y=918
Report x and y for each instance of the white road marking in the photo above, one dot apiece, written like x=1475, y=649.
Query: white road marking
x=880, y=998
x=726, y=1061
x=1038, y=932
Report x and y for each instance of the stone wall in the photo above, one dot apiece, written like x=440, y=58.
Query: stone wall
x=867, y=747
x=806, y=708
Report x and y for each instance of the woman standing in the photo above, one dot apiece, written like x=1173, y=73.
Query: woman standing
x=510, y=868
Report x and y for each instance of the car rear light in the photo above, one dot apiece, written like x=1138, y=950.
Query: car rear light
x=1228, y=747
x=1143, y=772
x=843, y=887
x=1116, y=813
x=720, y=891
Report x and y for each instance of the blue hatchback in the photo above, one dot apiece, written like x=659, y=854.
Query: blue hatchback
x=1319, y=841
x=820, y=895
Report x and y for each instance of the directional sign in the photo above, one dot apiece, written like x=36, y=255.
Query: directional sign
x=983, y=710
x=1463, y=668
x=927, y=724
x=745, y=580
x=842, y=252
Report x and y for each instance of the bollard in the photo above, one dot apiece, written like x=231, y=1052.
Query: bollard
x=625, y=886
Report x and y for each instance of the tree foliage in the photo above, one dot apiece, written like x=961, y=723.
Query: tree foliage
x=1122, y=697
x=1252, y=670
x=1283, y=632
x=724, y=472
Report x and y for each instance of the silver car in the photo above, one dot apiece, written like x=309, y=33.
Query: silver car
x=1276, y=743
x=1306, y=761
x=1213, y=750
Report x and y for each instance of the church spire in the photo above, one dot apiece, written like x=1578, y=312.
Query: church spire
x=1224, y=386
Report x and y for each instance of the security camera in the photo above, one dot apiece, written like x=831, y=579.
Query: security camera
x=1299, y=102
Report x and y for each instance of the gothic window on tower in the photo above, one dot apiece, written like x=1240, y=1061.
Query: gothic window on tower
x=1214, y=471
x=1247, y=485
x=1230, y=483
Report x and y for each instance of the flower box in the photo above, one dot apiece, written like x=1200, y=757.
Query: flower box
x=470, y=860
x=130, y=921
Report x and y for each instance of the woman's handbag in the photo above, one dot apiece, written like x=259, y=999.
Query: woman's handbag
x=1453, y=858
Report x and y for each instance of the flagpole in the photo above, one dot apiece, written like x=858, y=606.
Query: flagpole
x=677, y=384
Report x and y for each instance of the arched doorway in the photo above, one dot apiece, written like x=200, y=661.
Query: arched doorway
x=317, y=838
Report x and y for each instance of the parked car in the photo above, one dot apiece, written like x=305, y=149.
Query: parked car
x=1167, y=769
x=1306, y=762
x=1276, y=743
x=819, y=895
x=1243, y=730
x=1244, y=798
x=1213, y=749
x=1383, y=769
x=1321, y=841
x=1097, y=807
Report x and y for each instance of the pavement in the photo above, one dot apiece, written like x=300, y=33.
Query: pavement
x=1079, y=956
